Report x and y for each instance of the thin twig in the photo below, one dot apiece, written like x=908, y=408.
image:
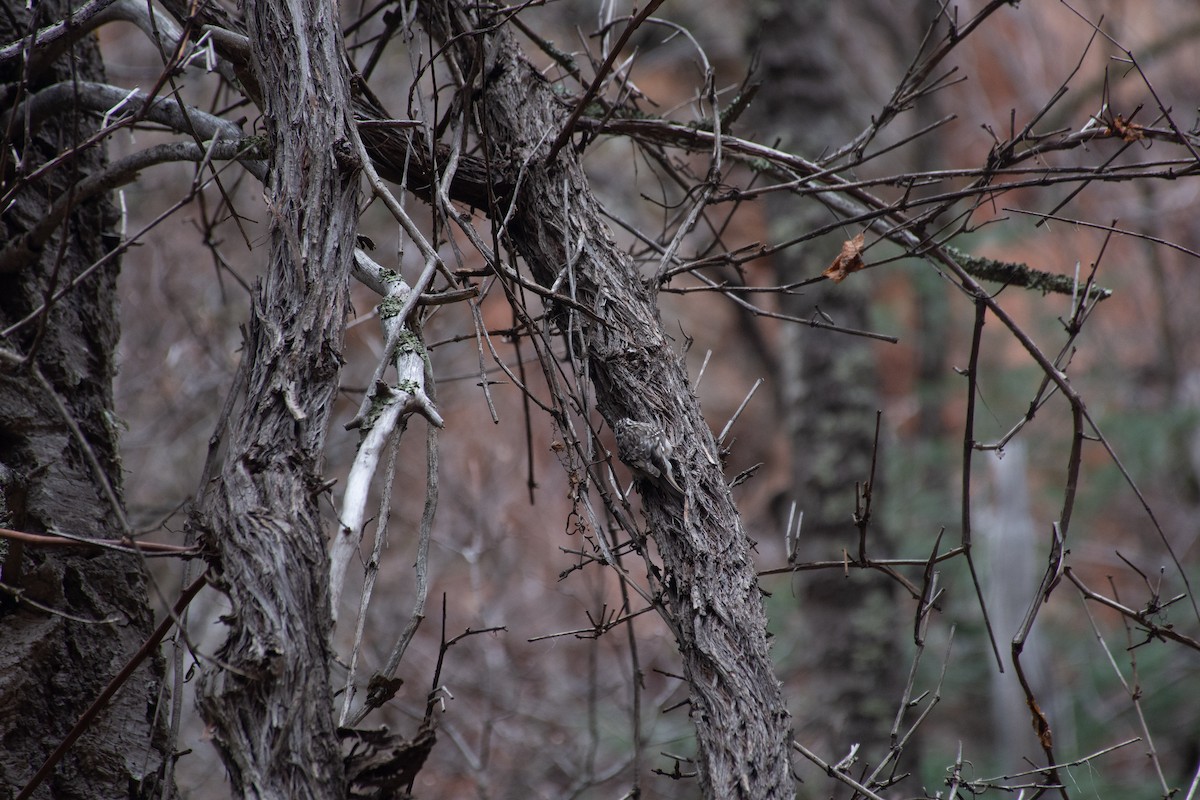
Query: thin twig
x=601, y=74
x=833, y=773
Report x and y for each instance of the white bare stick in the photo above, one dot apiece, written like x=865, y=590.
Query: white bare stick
x=408, y=299
x=388, y=405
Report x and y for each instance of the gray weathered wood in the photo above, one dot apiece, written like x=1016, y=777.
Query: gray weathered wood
x=712, y=600
x=269, y=703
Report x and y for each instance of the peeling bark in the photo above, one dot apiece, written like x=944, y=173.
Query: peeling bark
x=270, y=702
x=711, y=596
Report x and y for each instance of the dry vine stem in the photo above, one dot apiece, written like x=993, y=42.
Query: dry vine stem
x=713, y=605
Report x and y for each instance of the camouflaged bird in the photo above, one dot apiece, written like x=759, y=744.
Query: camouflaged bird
x=646, y=450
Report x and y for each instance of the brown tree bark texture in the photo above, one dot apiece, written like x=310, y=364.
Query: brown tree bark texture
x=711, y=595
x=269, y=701
x=53, y=667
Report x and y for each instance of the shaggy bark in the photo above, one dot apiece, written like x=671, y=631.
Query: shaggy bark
x=269, y=703
x=710, y=594
x=51, y=666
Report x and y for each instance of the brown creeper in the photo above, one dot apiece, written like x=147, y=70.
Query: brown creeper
x=646, y=450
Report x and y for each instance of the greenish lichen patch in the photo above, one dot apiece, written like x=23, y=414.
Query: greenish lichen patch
x=409, y=343
x=390, y=307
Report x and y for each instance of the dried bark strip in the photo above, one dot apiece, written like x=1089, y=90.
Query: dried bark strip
x=712, y=600
x=270, y=709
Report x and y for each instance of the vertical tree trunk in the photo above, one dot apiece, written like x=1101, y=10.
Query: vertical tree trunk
x=1007, y=537
x=710, y=594
x=53, y=666
x=269, y=702
x=829, y=395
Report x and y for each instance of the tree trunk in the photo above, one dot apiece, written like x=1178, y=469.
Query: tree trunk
x=829, y=396
x=269, y=701
x=710, y=593
x=1007, y=537
x=91, y=611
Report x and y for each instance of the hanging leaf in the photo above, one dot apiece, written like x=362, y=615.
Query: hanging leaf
x=849, y=260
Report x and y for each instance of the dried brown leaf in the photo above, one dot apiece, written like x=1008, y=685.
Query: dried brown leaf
x=849, y=260
x=1128, y=130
